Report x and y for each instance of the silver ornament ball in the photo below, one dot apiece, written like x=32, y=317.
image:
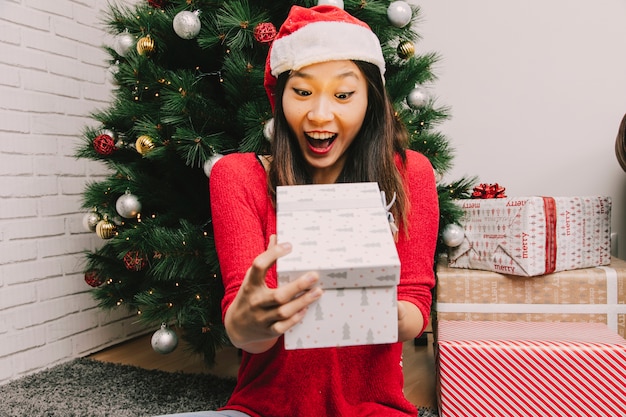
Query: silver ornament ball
x=128, y=205
x=187, y=24
x=90, y=221
x=399, y=13
x=417, y=98
x=123, y=43
x=336, y=3
x=164, y=340
x=108, y=132
x=453, y=235
x=112, y=72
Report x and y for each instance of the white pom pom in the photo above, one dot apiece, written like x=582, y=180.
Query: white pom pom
x=208, y=165
x=336, y=3
x=268, y=129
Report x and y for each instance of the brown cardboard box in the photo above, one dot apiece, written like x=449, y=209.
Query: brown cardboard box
x=583, y=295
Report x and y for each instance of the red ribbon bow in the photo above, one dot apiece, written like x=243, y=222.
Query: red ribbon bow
x=489, y=191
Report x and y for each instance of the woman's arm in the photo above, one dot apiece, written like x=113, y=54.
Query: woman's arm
x=254, y=314
x=416, y=248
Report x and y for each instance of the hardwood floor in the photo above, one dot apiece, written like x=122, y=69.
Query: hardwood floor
x=418, y=362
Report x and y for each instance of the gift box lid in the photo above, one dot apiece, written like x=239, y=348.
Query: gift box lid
x=340, y=230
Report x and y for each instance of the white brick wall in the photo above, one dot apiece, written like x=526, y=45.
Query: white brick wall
x=52, y=74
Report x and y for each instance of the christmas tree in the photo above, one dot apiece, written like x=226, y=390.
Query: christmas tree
x=188, y=78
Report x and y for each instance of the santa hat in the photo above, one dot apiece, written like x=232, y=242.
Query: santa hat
x=320, y=34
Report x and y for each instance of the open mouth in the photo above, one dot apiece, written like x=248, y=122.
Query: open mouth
x=320, y=141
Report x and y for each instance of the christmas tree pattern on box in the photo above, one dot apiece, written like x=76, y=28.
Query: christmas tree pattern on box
x=348, y=317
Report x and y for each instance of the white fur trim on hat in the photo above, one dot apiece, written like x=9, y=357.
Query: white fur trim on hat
x=325, y=41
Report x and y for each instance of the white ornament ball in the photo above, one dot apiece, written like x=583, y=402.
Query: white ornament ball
x=208, y=165
x=164, y=340
x=108, y=132
x=399, y=13
x=417, y=98
x=112, y=72
x=187, y=24
x=90, y=221
x=453, y=235
x=128, y=205
x=336, y=3
x=268, y=130
x=124, y=43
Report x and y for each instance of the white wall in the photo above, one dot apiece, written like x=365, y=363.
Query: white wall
x=537, y=92
x=52, y=74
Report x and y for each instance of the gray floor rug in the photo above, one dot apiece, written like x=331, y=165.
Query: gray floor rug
x=88, y=388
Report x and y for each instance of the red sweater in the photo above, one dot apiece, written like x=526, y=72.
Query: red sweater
x=347, y=381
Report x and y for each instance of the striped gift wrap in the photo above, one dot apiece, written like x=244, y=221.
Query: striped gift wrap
x=491, y=368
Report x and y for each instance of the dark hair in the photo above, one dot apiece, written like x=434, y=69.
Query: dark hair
x=370, y=157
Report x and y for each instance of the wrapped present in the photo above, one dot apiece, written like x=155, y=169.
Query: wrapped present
x=342, y=232
x=530, y=369
x=582, y=295
x=534, y=235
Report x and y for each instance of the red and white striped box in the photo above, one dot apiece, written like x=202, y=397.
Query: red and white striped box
x=531, y=236
x=487, y=368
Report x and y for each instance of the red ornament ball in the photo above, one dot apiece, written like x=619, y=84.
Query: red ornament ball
x=265, y=32
x=92, y=278
x=158, y=4
x=135, y=261
x=104, y=144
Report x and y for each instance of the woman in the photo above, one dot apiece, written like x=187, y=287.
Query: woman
x=333, y=123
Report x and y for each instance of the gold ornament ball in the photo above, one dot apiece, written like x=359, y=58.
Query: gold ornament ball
x=145, y=45
x=105, y=229
x=406, y=49
x=144, y=144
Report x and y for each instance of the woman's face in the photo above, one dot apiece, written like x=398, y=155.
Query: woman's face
x=324, y=105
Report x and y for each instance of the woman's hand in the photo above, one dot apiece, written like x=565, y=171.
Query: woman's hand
x=259, y=315
x=410, y=321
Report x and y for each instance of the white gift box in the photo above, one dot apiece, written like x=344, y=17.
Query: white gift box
x=531, y=236
x=340, y=231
